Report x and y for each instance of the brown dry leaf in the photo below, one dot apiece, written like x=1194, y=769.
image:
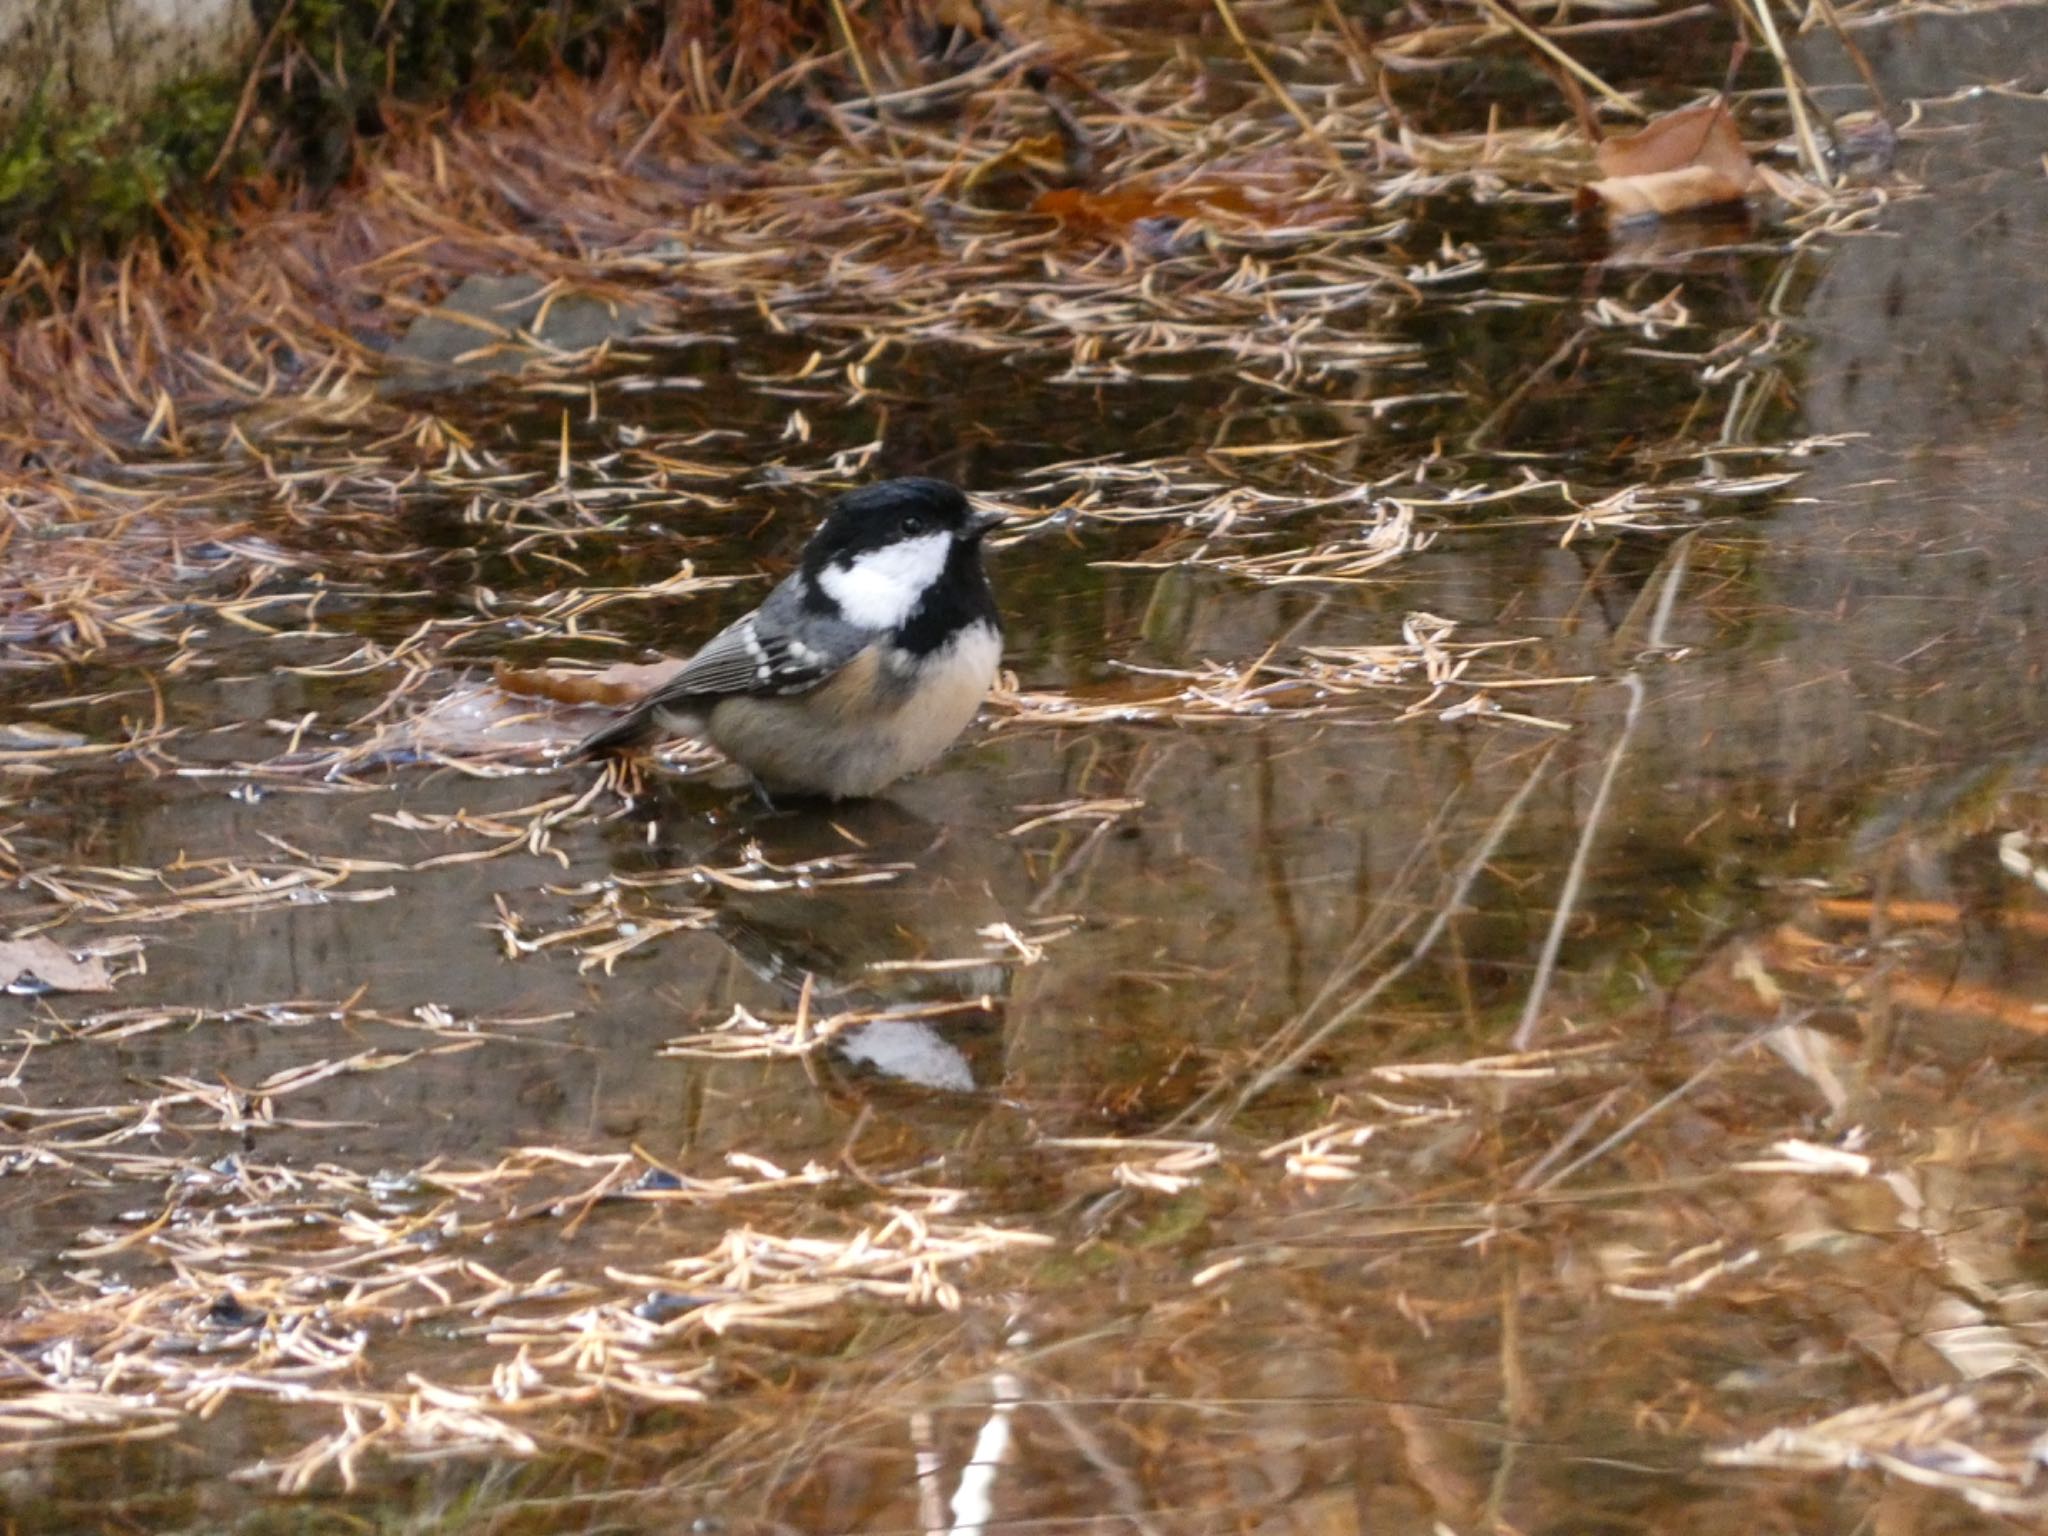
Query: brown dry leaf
x=1058, y=28
x=1116, y=209
x=1045, y=153
x=1681, y=163
x=613, y=686
x=1945, y=997
x=28, y=962
x=1052, y=27
x=1941, y=914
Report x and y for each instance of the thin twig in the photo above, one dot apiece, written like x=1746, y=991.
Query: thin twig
x=1280, y=94
x=1638, y=1121
x=247, y=101
x=1512, y=19
x=1795, y=91
x=1440, y=921
x=1568, y=898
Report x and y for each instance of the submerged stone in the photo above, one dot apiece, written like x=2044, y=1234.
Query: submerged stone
x=491, y=326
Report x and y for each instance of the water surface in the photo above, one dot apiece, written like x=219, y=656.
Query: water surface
x=1790, y=736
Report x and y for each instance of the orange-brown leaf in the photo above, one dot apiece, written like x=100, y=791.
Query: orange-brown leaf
x=1681, y=163
x=615, y=686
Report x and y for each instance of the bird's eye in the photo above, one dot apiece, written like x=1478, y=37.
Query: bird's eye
x=913, y=526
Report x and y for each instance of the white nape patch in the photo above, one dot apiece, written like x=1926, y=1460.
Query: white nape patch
x=882, y=587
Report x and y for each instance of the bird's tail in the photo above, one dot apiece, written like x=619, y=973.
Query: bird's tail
x=633, y=728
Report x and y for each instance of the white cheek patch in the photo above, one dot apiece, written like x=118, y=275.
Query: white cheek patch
x=884, y=586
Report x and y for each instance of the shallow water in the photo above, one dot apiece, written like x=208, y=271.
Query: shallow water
x=1476, y=1315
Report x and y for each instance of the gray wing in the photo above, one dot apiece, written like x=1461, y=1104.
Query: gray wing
x=776, y=649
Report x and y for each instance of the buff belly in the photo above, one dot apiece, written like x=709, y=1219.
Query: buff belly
x=871, y=724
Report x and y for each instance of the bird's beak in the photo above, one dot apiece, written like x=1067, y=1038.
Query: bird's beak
x=982, y=518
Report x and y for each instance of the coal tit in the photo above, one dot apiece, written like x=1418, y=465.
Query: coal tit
x=863, y=665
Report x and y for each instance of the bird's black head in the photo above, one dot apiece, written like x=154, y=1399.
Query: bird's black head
x=888, y=513
x=903, y=556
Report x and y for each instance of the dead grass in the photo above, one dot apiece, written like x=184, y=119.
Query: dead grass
x=200, y=448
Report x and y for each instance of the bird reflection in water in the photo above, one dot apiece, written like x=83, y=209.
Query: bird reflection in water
x=913, y=942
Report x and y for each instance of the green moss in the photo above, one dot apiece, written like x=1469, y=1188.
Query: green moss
x=92, y=181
